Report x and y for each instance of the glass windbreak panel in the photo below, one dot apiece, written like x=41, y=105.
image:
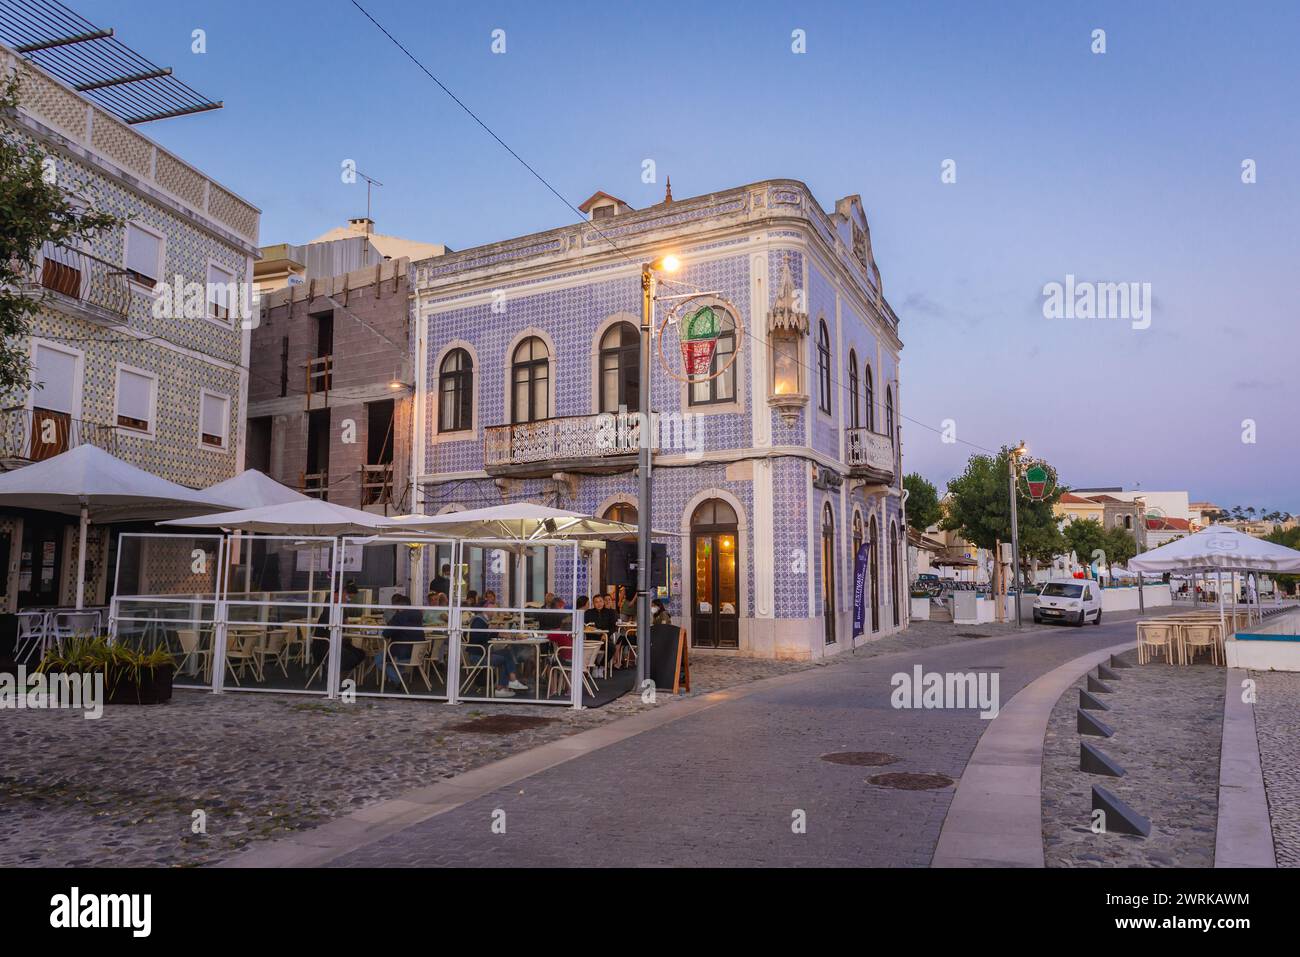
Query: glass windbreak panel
x=1062, y=590
x=395, y=637
x=277, y=613
x=165, y=599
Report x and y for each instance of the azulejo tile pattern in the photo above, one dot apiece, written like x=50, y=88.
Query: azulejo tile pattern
x=567, y=305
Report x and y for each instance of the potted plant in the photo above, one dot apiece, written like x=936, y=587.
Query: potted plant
x=130, y=676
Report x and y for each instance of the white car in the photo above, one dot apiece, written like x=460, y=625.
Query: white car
x=1075, y=600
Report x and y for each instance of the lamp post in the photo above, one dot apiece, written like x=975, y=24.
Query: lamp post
x=1013, y=460
x=666, y=264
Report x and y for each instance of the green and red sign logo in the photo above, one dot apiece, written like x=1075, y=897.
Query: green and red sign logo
x=1037, y=479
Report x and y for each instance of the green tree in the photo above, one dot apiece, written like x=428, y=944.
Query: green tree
x=34, y=210
x=979, y=509
x=1084, y=536
x=1119, y=546
x=922, y=502
x=1290, y=537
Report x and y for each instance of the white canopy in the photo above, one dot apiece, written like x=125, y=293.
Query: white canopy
x=307, y=516
x=1218, y=548
x=517, y=521
x=252, y=489
x=95, y=486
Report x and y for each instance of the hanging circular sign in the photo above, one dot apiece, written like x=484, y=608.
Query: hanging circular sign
x=1039, y=480
x=694, y=327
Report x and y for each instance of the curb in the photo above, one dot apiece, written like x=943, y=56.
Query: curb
x=1244, y=834
x=996, y=815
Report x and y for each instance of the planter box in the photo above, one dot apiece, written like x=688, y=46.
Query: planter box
x=120, y=687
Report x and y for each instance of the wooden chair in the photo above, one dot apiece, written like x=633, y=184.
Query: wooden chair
x=193, y=649
x=559, y=669
x=417, y=661
x=1153, y=636
x=240, y=654
x=1198, y=638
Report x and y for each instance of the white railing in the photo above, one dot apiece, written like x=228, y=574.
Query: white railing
x=603, y=435
x=872, y=450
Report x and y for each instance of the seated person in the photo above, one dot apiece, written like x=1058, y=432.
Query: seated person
x=432, y=618
x=405, y=625
x=350, y=654
x=659, y=614
x=478, y=636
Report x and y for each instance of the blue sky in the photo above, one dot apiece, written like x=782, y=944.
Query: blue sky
x=1121, y=167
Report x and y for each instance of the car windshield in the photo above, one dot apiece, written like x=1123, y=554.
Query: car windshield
x=1062, y=590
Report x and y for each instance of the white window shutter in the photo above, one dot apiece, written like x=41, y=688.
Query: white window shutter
x=135, y=396
x=57, y=372
x=142, y=251
x=213, y=417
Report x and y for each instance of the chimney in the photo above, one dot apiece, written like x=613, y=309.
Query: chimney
x=362, y=225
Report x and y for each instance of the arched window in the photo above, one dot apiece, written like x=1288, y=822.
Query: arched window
x=618, y=512
x=854, y=420
x=870, y=400
x=530, y=396
x=620, y=368
x=824, y=366
x=715, y=592
x=828, y=573
x=456, y=392
x=720, y=388
x=889, y=413
x=895, y=583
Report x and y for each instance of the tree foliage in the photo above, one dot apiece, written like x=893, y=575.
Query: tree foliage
x=922, y=502
x=979, y=508
x=34, y=210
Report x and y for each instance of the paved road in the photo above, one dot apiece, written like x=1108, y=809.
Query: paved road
x=720, y=787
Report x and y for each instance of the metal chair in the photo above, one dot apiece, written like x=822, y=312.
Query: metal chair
x=33, y=627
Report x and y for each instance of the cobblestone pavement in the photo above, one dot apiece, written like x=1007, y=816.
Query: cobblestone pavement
x=1168, y=724
x=1277, y=726
x=122, y=790
x=731, y=785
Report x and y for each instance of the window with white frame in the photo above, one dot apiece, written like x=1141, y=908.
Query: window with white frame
x=56, y=375
x=144, y=254
x=214, y=420
x=137, y=399
x=221, y=292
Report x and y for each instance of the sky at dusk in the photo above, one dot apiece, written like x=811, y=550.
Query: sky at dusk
x=1119, y=167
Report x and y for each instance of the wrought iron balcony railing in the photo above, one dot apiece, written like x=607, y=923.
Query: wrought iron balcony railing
x=33, y=435
x=870, y=453
x=569, y=439
x=83, y=280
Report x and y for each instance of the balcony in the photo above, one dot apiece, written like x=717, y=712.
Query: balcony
x=87, y=286
x=33, y=435
x=870, y=456
x=590, y=444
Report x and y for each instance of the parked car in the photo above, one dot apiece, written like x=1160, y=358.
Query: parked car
x=1074, y=600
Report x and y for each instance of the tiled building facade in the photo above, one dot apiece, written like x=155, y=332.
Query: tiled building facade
x=159, y=384
x=522, y=345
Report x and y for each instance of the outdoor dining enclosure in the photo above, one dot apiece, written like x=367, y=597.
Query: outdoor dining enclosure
x=362, y=615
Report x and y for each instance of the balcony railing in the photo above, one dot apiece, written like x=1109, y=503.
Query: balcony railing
x=870, y=453
x=573, y=439
x=82, y=279
x=33, y=435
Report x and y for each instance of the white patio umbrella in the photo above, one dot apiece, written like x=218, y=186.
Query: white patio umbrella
x=517, y=521
x=1219, y=549
x=95, y=486
x=309, y=516
x=252, y=489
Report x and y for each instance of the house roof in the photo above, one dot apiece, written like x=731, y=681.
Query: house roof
x=1162, y=524
x=390, y=247
x=1069, y=498
x=596, y=197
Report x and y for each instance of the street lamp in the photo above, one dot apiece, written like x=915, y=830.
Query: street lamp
x=668, y=263
x=1013, y=462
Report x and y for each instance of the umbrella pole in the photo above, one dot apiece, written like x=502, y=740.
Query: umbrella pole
x=1220, y=574
x=81, y=558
